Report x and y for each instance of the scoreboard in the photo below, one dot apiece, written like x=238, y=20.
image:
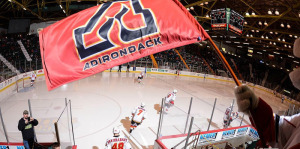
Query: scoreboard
x=227, y=20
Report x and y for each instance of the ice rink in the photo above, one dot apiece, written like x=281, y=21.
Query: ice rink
x=105, y=100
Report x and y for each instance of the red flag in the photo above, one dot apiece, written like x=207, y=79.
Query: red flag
x=111, y=34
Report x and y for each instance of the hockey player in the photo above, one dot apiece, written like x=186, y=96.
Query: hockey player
x=32, y=76
x=169, y=101
x=138, y=115
x=227, y=119
x=117, y=141
x=140, y=77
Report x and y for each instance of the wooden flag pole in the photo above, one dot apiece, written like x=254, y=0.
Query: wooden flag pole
x=237, y=82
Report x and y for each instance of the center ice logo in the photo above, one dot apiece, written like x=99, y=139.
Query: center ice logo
x=112, y=25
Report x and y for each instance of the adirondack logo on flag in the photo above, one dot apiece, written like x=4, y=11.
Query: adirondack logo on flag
x=116, y=16
x=104, y=36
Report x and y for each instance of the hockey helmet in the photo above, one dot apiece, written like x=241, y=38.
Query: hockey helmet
x=143, y=105
x=116, y=130
x=175, y=91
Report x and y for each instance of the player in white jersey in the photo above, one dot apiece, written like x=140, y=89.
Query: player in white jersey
x=170, y=99
x=138, y=115
x=227, y=119
x=117, y=141
x=140, y=77
x=32, y=76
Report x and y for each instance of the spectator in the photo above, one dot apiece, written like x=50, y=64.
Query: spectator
x=26, y=125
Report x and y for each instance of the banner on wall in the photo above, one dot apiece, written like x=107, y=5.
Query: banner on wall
x=111, y=34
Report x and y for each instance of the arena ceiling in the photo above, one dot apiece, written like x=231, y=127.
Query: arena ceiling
x=272, y=25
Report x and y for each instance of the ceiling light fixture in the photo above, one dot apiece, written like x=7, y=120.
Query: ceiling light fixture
x=277, y=12
x=271, y=32
x=247, y=35
x=266, y=24
x=246, y=22
x=267, y=37
x=253, y=13
x=259, y=23
x=274, y=43
x=192, y=8
x=251, y=35
x=285, y=45
x=278, y=39
x=283, y=39
x=288, y=26
x=276, y=33
x=188, y=9
x=262, y=36
x=269, y=12
x=282, y=25
x=257, y=31
x=291, y=35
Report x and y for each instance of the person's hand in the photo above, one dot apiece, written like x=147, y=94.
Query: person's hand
x=31, y=119
x=245, y=98
x=26, y=121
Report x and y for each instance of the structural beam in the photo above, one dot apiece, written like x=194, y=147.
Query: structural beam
x=272, y=17
x=22, y=6
x=186, y=66
x=153, y=61
x=199, y=2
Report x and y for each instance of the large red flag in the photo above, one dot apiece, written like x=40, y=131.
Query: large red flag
x=114, y=33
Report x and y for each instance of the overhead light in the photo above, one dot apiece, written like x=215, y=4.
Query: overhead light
x=296, y=36
x=246, y=22
x=237, y=42
x=276, y=53
x=207, y=16
x=240, y=46
x=267, y=37
x=264, y=50
x=276, y=33
x=269, y=12
x=288, y=26
x=251, y=35
x=277, y=12
x=273, y=65
x=214, y=36
x=250, y=48
x=64, y=11
x=247, y=35
x=280, y=67
x=282, y=25
x=287, y=70
x=296, y=62
x=262, y=36
x=259, y=23
x=78, y=0
x=246, y=43
x=253, y=13
x=9, y=0
x=290, y=46
x=291, y=35
x=266, y=24
x=270, y=42
x=274, y=43
x=256, y=41
x=205, y=3
x=192, y=8
x=257, y=31
x=247, y=13
x=252, y=30
x=228, y=41
x=24, y=8
x=61, y=6
x=285, y=45
x=232, y=37
x=271, y=32
x=259, y=53
x=278, y=39
x=267, y=64
x=249, y=55
x=188, y=9
x=283, y=39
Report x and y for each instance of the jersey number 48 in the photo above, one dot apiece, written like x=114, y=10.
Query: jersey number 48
x=119, y=145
